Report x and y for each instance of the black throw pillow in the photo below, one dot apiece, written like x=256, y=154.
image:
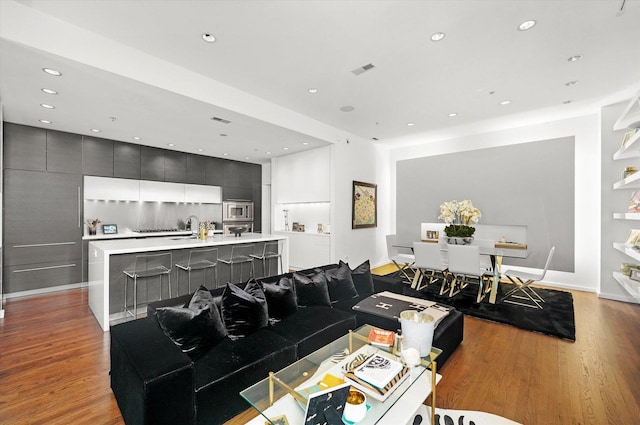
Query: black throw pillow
x=312, y=289
x=194, y=329
x=340, y=283
x=281, y=297
x=244, y=311
x=362, y=279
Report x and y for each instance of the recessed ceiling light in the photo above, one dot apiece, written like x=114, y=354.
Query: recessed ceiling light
x=171, y=144
x=95, y=130
x=575, y=58
x=52, y=72
x=305, y=143
x=268, y=153
x=453, y=114
x=505, y=102
x=285, y=148
x=200, y=150
x=136, y=138
x=209, y=38
x=571, y=83
x=45, y=121
x=410, y=124
x=526, y=25
x=347, y=108
x=313, y=90
x=225, y=154
x=47, y=106
x=437, y=36
x=246, y=157
x=49, y=91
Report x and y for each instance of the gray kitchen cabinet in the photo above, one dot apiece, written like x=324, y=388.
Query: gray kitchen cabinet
x=41, y=207
x=175, y=166
x=64, y=152
x=43, y=228
x=25, y=148
x=126, y=160
x=151, y=163
x=215, y=169
x=196, y=169
x=244, y=193
x=97, y=157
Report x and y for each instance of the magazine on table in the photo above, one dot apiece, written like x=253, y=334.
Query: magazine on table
x=378, y=370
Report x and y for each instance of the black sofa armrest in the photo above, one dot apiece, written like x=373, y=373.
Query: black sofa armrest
x=151, y=378
x=387, y=283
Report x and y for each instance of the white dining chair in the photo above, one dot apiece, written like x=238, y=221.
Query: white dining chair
x=403, y=261
x=523, y=294
x=464, y=266
x=485, y=259
x=430, y=264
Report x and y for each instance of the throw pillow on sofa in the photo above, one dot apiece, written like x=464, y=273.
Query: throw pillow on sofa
x=312, y=289
x=362, y=279
x=194, y=329
x=340, y=283
x=244, y=310
x=281, y=297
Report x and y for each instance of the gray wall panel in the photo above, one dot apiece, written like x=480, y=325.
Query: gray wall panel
x=530, y=184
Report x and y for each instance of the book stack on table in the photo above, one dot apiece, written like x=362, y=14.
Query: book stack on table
x=378, y=376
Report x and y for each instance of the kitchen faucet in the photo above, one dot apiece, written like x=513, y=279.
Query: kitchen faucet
x=189, y=225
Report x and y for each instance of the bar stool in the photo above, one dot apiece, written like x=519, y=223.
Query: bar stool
x=146, y=266
x=269, y=252
x=199, y=259
x=240, y=254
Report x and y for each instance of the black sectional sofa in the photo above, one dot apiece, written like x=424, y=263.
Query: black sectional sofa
x=155, y=381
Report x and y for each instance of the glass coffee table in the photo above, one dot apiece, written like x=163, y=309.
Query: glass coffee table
x=279, y=394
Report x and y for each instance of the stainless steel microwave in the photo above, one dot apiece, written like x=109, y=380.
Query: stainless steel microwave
x=237, y=211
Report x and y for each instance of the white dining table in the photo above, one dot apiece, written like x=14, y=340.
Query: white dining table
x=496, y=253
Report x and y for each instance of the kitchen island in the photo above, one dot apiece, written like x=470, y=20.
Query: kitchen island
x=108, y=259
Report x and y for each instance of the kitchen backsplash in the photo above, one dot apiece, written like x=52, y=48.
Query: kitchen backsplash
x=149, y=215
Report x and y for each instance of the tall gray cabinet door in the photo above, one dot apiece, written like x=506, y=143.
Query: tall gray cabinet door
x=97, y=157
x=126, y=160
x=196, y=169
x=41, y=207
x=64, y=152
x=175, y=166
x=151, y=163
x=215, y=170
x=25, y=148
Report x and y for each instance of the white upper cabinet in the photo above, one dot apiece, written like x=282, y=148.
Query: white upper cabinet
x=202, y=194
x=110, y=189
x=161, y=191
x=303, y=177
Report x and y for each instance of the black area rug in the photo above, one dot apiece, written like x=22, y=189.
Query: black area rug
x=555, y=319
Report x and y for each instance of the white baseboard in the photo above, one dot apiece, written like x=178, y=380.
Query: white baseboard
x=618, y=298
x=44, y=290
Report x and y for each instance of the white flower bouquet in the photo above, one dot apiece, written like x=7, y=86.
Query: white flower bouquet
x=459, y=216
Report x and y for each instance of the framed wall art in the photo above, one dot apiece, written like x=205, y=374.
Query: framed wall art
x=365, y=205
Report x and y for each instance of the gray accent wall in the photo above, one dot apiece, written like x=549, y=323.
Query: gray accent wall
x=528, y=184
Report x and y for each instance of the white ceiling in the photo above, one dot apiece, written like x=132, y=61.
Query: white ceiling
x=269, y=53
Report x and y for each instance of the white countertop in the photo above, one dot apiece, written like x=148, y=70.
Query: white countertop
x=124, y=246
x=131, y=235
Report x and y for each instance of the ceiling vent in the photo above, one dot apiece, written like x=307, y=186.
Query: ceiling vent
x=363, y=69
x=222, y=120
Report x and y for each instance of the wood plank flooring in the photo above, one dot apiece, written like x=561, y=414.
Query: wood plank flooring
x=54, y=366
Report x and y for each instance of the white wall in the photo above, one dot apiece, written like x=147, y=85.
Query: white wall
x=586, y=130
x=367, y=162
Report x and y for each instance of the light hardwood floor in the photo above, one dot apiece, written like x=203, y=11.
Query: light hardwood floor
x=54, y=366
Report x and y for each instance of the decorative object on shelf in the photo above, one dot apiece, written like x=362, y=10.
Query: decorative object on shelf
x=202, y=230
x=286, y=220
x=634, y=202
x=627, y=136
x=433, y=235
x=635, y=275
x=629, y=171
x=625, y=268
x=93, y=225
x=110, y=229
x=632, y=237
x=364, y=211
x=459, y=216
x=319, y=228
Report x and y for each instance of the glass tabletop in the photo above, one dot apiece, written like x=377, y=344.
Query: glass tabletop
x=282, y=393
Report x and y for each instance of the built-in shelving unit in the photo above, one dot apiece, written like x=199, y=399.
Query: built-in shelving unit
x=628, y=122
